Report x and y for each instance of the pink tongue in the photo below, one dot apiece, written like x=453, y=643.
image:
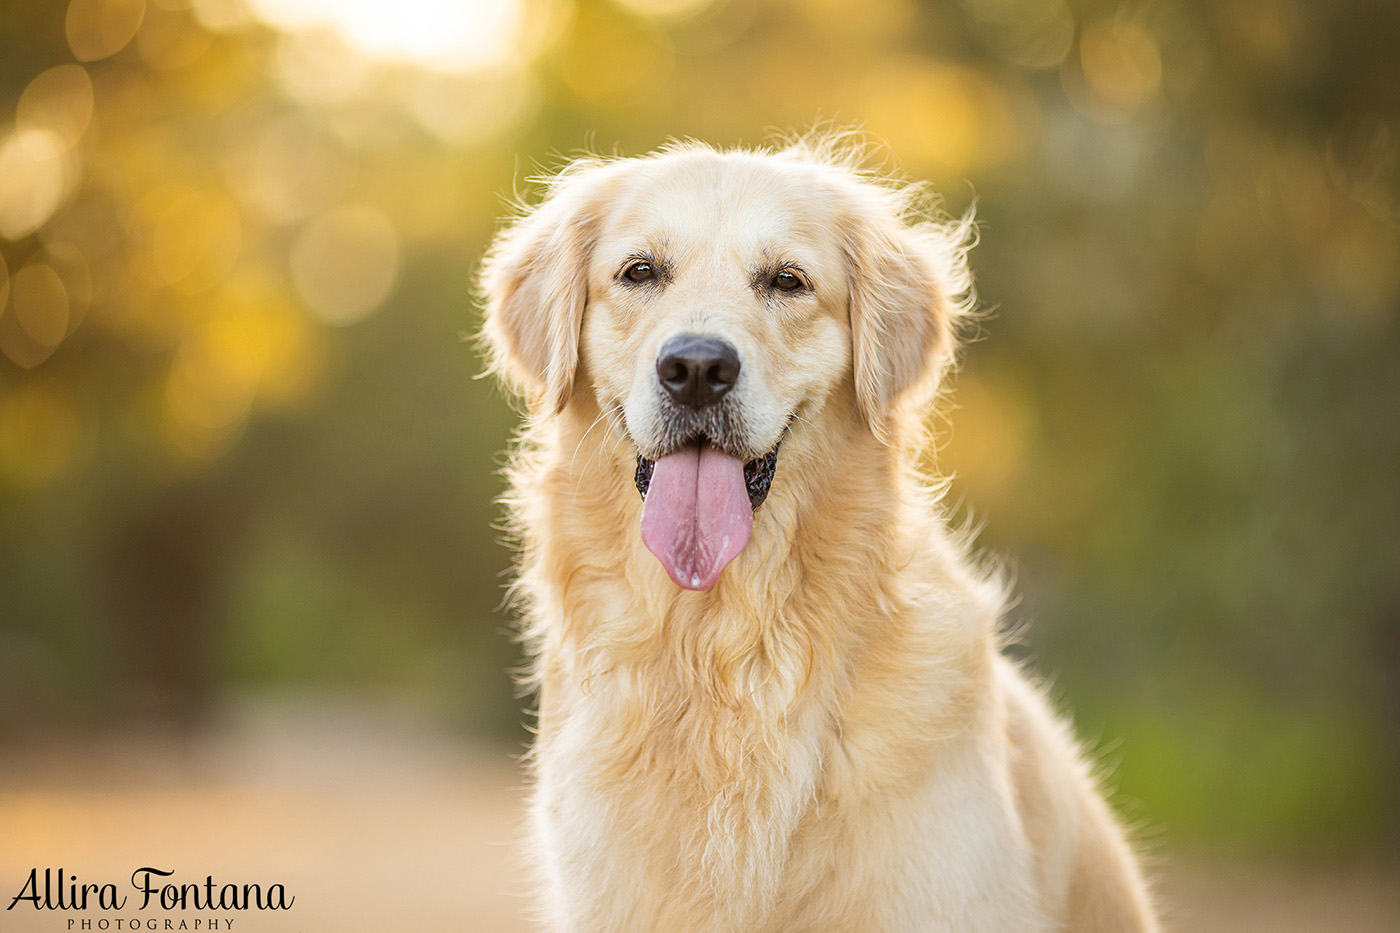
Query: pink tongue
x=696, y=517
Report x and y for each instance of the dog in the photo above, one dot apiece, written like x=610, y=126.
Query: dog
x=771, y=695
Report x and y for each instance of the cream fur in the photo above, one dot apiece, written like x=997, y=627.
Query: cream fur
x=828, y=739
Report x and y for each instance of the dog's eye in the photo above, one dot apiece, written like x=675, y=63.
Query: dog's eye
x=787, y=281
x=639, y=271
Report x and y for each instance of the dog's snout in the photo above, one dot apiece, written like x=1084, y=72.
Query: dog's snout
x=697, y=370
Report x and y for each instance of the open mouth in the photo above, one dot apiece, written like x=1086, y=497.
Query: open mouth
x=697, y=508
x=758, y=475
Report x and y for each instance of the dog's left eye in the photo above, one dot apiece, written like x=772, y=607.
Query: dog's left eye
x=639, y=271
x=787, y=281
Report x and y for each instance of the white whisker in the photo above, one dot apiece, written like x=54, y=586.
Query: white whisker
x=580, y=474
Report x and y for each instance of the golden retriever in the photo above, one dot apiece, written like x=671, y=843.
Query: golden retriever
x=771, y=696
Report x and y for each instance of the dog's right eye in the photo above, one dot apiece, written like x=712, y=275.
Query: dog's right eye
x=787, y=281
x=639, y=271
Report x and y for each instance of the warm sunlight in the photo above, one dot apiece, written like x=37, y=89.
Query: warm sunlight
x=446, y=35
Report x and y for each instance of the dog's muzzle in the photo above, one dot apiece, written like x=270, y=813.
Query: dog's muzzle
x=698, y=494
x=697, y=371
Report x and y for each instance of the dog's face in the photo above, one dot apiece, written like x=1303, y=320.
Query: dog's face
x=717, y=305
x=713, y=301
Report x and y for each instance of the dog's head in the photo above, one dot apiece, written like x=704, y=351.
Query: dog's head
x=715, y=300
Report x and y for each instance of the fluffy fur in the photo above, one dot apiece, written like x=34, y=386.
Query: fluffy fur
x=828, y=739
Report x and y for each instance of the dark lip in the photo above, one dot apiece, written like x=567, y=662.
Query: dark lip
x=758, y=473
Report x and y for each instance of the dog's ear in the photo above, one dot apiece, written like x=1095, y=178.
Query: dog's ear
x=909, y=285
x=534, y=282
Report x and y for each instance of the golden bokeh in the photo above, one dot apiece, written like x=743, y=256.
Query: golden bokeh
x=74, y=271
x=195, y=235
x=40, y=304
x=1265, y=30
x=1031, y=33
x=252, y=344
x=344, y=263
x=58, y=100
x=203, y=408
x=171, y=39
x=36, y=174
x=943, y=119
x=319, y=67
x=38, y=318
x=283, y=167
x=988, y=435
x=616, y=80
x=474, y=111
x=879, y=21
x=221, y=15
x=449, y=35
x=101, y=28
x=666, y=9
x=1121, y=68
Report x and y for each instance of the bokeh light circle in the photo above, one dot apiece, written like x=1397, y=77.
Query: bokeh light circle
x=450, y=35
x=33, y=180
x=41, y=304
x=344, y=263
x=59, y=100
x=102, y=28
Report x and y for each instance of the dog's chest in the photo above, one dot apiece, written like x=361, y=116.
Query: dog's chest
x=696, y=806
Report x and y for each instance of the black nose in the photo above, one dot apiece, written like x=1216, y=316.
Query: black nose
x=697, y=370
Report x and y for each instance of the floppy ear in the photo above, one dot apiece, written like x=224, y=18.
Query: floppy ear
x=909, y=284
x=534, y=280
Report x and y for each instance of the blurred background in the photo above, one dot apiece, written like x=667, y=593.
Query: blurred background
x=250, y=586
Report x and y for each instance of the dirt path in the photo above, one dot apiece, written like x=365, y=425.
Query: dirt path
x=380, y=824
